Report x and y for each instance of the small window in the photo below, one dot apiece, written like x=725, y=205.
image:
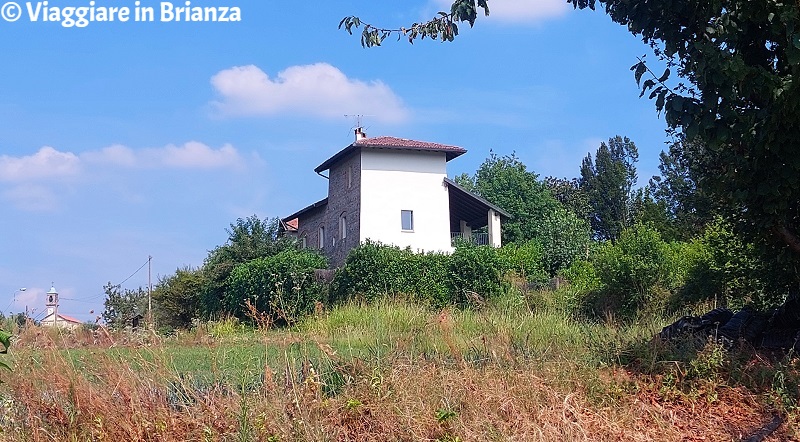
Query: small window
x=349, y=177
x=343, y=225
x=321, y=237
x=407, y=220
x=304, y=242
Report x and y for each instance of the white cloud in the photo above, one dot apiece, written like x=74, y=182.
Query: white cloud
x=518, y=11
x=32, y=178
x=319, y=90
x=31, y=297
x=46, y=163
x=31, y=197
x=194, y=155
x=115, y=155
x=191, y=155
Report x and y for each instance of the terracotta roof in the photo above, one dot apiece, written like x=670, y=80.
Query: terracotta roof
x=408, y=144
x=292, y=224
x=69, y=318
x=61, y=317
x=393, y=143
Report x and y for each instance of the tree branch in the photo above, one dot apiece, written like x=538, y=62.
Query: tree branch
x=790, y=238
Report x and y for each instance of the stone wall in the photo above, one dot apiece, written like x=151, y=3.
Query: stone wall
x=308, y=226
x=344, y=199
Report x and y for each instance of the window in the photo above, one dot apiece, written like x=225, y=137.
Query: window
x=349, y=177
x=343, y=225
x=407, y=220
x=303, y=242
x=321, y=237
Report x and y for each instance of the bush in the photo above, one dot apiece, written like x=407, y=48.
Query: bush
x=176, y=298
x=524, y=260
x=374, y=270
x=634, y=270
x=475, y=269
x=282, y=286
x=727, y=270
x=582, y=276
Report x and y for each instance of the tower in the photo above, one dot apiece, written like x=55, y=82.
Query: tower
x=52, y=301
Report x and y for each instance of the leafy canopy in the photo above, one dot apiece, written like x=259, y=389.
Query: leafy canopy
x=738, y=96
x=248, y=239
x=607, y=181
x=535, y=214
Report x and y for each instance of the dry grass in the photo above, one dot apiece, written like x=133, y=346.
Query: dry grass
x=310, y=387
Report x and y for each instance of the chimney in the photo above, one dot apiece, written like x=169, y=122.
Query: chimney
x=360, y=135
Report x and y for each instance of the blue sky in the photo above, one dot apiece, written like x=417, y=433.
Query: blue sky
x=128, y=139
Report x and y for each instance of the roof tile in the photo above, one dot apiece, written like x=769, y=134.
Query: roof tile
x=393, y=143
x=404, y=143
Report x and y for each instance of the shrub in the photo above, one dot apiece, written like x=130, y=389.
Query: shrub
x=374, y=270
x=475, y=269
x=176, y=298
x=282, y=286
x=632, y=269
x=582, y=276
x=524, y=260
x=726, y=269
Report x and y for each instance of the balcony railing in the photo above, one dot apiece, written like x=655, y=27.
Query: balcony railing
x=479, y=239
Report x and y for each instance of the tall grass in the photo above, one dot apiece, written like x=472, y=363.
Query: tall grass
x=392, y=370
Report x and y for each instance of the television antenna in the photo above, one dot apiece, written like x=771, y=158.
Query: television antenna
x=358, y=119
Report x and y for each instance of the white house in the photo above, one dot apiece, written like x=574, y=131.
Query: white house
x=55, y=319
x=395, y=191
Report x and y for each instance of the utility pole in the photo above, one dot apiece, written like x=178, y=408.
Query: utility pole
x=55, y=316
x=149, y=293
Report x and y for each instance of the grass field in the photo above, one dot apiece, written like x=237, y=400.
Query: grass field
x=393, y=371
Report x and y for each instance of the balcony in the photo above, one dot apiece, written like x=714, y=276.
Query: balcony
x=479, y=239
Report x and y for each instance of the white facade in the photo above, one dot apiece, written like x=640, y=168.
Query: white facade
x=60, y=321
x=394, y=191
x=393, y=181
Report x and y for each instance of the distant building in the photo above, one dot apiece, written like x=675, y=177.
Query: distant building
x=394, y=191
x=55, y=319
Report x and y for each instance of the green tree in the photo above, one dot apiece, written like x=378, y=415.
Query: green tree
x=687, y=205
x=739, y=96
x=570, y=194
x=248, y=239
x=121, y=306
x=176, y=298
x=608, y=181
x=727, y=270
x=646, y=209
x=536, y=215
x=506, y=181
x=633, y=268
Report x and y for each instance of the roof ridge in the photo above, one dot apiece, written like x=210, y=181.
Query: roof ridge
x=389, y=142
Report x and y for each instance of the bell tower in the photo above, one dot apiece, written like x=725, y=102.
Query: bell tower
x=52, y=301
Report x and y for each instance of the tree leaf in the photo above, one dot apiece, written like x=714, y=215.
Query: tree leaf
x=5, y=339
x=664, y=77
x=640, y=69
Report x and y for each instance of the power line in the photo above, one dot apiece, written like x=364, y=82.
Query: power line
x=84, y=299
x=134, y=273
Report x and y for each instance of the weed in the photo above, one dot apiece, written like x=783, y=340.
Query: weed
x=392, y=370
x=443, y=415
